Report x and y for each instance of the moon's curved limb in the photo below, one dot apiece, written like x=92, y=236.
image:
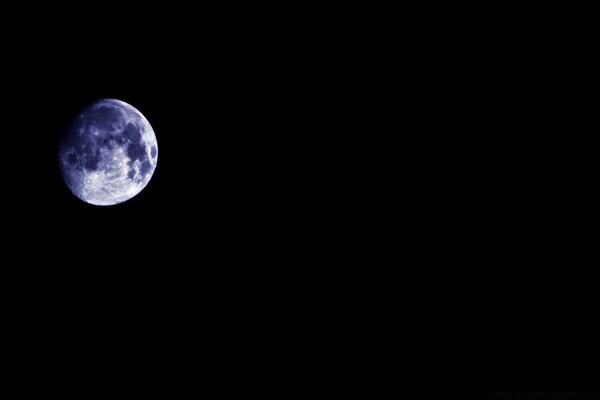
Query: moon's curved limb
x=109, y=154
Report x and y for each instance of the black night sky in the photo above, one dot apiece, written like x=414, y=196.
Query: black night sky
x=237, y=110
x=226, y=235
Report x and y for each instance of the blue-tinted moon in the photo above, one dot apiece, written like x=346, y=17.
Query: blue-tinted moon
x=108, y=154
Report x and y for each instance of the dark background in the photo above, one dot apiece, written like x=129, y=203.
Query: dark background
x=216, y=265
x=240, y=105
x=537, y=203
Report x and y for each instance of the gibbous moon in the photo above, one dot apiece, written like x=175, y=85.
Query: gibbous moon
x=108, y=154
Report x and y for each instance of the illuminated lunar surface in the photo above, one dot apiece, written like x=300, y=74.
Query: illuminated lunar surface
x=109, y=153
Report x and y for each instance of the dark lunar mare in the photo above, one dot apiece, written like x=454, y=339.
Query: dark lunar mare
x=132, y=133
x=145, y=166
x=103, y=118
x=135, y=149
x=91, y=158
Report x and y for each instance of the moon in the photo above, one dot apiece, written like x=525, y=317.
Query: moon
x=108, y=154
